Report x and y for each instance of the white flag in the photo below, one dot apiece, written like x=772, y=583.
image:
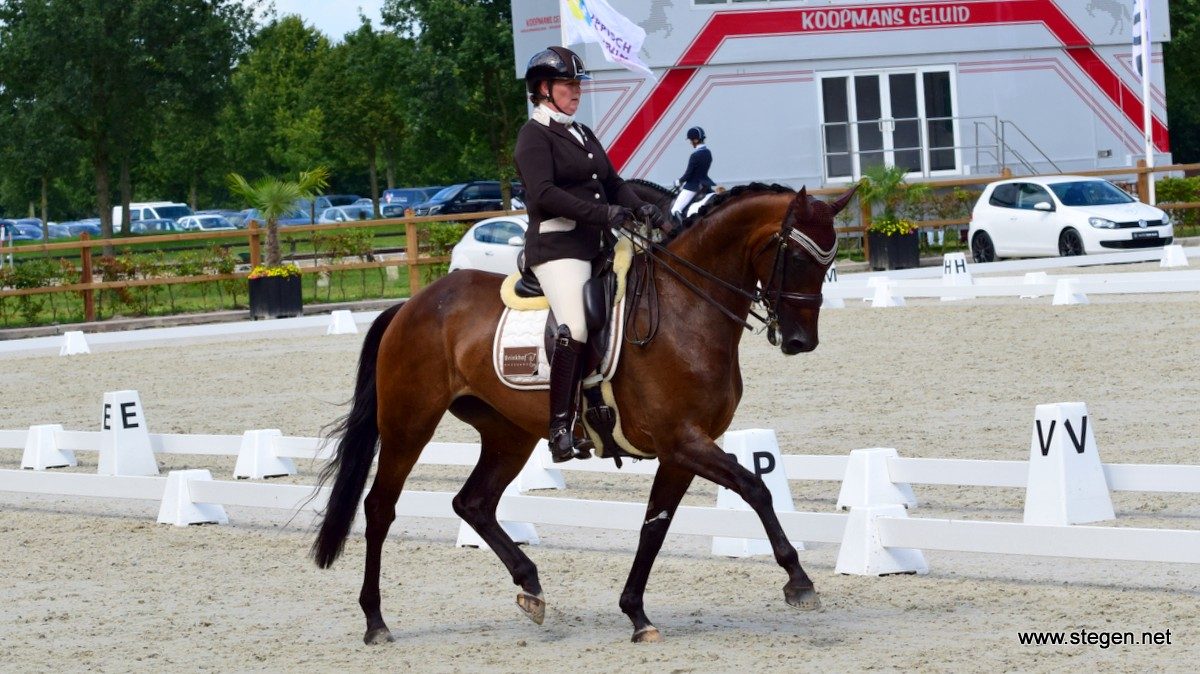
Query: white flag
x=1141, y=40
x=596, y=21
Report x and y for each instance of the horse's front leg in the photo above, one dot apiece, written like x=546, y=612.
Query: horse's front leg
x=703, y=457
x=670, y=484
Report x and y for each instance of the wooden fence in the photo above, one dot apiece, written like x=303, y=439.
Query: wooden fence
x=87, y=287
x=252, y=235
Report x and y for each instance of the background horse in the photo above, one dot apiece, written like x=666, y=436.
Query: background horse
x=662, y=197
x=676, y=393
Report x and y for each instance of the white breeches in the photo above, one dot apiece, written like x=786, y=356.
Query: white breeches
x=562, y=283
x=681, y=201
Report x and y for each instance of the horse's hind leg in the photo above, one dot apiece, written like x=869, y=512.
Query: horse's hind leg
x=703, y=457
x=505, y=448
x=401, y=443
x=670, y=484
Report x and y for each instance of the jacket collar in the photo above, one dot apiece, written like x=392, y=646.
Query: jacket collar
x=542, y=116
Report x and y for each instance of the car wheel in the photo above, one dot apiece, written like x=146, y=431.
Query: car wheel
x=982, y=249
x=1070, y=243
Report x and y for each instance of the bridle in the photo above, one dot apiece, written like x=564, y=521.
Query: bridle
x=770, y=297
x=774, y=294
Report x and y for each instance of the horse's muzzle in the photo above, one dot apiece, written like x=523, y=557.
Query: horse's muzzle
x=795, y=345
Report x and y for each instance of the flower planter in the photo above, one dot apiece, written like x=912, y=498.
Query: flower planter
x=275, y=297
x=894, y=252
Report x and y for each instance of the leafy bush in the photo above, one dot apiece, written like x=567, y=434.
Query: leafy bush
x=440, y=237
x=1180, y=190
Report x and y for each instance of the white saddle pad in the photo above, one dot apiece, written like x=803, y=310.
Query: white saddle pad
x=519, y=351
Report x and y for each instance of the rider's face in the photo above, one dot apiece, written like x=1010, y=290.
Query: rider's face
x=565, y=95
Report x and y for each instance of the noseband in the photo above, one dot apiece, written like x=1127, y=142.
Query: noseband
x=773, y=294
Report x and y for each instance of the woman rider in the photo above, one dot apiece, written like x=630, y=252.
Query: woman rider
x=573, y=195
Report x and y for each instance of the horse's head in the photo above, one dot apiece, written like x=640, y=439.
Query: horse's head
x=791, y=269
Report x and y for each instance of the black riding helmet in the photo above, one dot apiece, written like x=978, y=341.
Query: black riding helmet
x=554, y=63
x=695, y=133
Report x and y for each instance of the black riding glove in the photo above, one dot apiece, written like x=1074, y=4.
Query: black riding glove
x=651, y=215
x=618, y=216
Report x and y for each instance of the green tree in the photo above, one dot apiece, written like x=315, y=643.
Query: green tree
x=465, y=50
x=273, y=124
x=365, y=114
x=105, y=70
x=1182, y=70
x=35, y=150
x=273, y=198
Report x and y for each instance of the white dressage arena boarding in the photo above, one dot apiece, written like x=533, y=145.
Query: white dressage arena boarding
x=956, y=279
x=1066, y=485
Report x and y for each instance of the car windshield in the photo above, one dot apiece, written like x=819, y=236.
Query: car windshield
x=404, y=196
x=173, y=212
x=1090, y=193
x=448, y=193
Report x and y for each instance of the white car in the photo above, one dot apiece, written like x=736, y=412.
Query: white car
x=204, y=223
x=346, y=214
x=1062, y=215
x=491, y=245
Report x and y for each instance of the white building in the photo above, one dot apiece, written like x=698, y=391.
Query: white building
x=811, y=91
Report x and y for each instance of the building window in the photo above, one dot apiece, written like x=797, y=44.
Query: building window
x=898, y=118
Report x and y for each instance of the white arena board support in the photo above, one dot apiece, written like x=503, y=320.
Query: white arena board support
x=884, y=297
x=1173, y=256
x=520, y=532
x=1066, y=291
x=177, y=507
x=124, y=439
x=537, y=473
x=1034, y=278
x=863, y=554
x=41, y=449
x=256, y=456
x=757, y=450
x=1066, y=479
x=74, y=343
x=831, y=278
x=341, y=322
x=868, y=483
x=955, y=273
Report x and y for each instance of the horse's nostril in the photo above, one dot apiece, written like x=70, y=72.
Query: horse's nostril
x=797, y=345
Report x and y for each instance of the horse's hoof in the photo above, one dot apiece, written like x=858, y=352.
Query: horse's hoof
x=532, y=606
x=805, y=600
x=647, y=635
x=379, y=635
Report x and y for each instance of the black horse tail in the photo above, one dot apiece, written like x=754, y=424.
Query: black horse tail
x=358, y=433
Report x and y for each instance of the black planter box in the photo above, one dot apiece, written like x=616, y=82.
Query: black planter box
x=275, y=297
x=894, y=252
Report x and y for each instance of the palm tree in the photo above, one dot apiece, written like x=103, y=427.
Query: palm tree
x=275, y=198
x=883, y=186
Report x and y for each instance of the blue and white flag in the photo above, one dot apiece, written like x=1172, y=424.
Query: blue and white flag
x=1141, y=37
x=596, y=21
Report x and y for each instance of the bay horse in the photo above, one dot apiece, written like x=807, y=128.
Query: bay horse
x=677, y=392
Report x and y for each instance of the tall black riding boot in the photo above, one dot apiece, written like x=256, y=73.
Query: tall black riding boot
x=564, y=398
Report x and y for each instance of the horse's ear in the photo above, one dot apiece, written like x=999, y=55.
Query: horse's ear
x=801, y=206
x=841, y=201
